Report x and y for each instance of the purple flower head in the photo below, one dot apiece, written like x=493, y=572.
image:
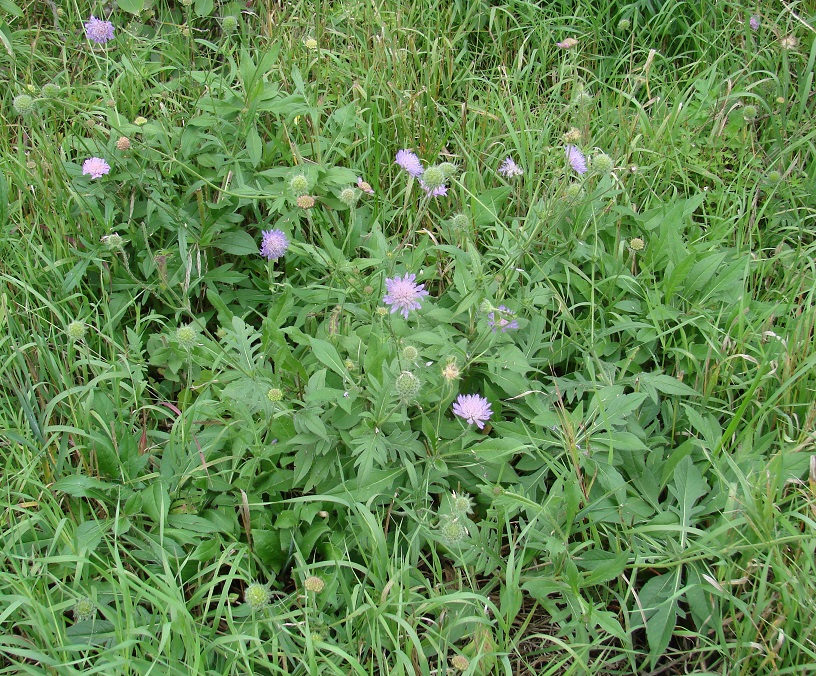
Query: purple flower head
x=576, y=159
x=98, y=31
x=509, y=168
x=274, y=244
x=96, y=167
x=439, y=191
x=754, y=22
x=409, y=161
x=502, y=319
x=473, y=408
x=403, y=294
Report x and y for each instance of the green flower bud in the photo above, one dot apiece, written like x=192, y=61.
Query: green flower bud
x=451, y=530
x=299, y=185
x=460, y=222
x=349, y=197
x=407, y=386
x=257, y=597
x=76, y=330
x=84, y=609
x=410, y=353
x=602, y=164
x=186, y=336
x=51, y=90
x=23, y=104
x=433, y=177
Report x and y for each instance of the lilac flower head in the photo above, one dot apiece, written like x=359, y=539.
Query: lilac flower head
x=509, y=168
x=576, y=159
x=439, y=191
x=98, y=31
x=409, y=161
x=502, y=319
x=403, y=294
x=754, y=22
x=473, y=408
x=96, y=167
x=274, y=244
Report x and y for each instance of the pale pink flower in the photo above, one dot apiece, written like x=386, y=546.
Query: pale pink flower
x=274, y=244
x=474, y=408
x=403, y=294
x=509, y=168
x=409, y=161
x=576, y=159
x=96, y=167
x=99, y=31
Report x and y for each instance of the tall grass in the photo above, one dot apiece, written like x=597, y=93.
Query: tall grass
x=181, y=419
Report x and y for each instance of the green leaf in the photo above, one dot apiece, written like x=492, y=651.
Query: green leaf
x=254, y=146
x=327, y=354
x=340, y=176
x=237, y=243
x=267, y=544
x=192, y=523
x=131, y=6
x=702, y=272
x=10, y=8
x=496, y=450
x=541, y=588
x=659, y=629
x=156, y=502
x=689, y=486
x=243, y=343
x=668, y=384
x=89, y=534
x=486, y=206
x=658, y=606
x=204, y=7
x=81, y=486
x=602, y=565
x=378, y=482
x=5, y=38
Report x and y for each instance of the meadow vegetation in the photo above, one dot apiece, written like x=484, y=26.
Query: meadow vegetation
x=389, y=337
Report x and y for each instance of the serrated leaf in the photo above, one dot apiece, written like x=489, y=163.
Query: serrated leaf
x=688, y=487
x=243, y=343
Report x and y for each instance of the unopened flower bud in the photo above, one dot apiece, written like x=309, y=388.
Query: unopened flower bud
x=407, y=386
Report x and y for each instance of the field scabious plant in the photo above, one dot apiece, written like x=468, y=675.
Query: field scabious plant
x=581, y=444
